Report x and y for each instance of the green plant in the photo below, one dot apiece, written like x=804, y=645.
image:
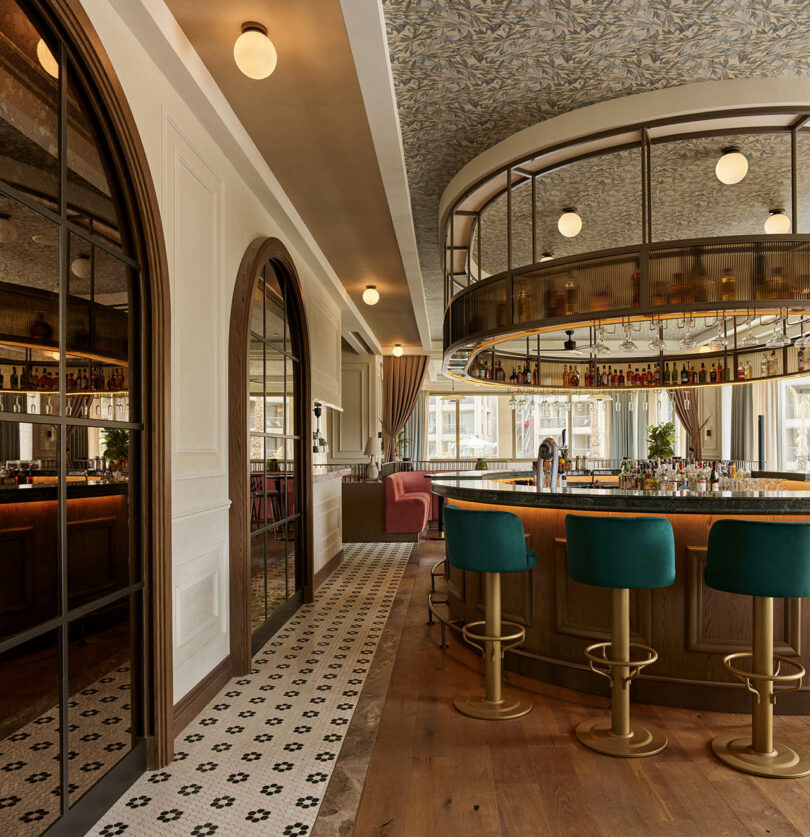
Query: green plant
x=481, y=464
x=661, y=441
x=116, y=444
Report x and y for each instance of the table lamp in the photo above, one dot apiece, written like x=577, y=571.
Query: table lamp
x=373, y=450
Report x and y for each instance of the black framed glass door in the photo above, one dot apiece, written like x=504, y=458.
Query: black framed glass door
x=275, y=453
x=72, y=583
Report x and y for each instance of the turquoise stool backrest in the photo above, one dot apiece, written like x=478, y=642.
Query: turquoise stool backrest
x=633, y=552
x=759, y=558
x=486, y=541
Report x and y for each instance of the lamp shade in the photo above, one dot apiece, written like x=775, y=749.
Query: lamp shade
x=254, y=52
x=569, y=223
x=732, y=166
x=777, y=222
x=374, y=446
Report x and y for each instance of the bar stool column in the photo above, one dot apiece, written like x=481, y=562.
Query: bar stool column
x=492, y=652
x=762, y=732
x=620, y=650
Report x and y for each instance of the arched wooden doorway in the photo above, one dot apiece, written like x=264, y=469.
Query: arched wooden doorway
x=85, y=605
x=270, y=459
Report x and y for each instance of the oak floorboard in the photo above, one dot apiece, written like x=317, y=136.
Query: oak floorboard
x=436, y=773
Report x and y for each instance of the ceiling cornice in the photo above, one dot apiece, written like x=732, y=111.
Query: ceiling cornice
x=161, y=36
x=365, y=25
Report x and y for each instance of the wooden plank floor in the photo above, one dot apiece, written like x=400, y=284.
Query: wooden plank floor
x=435, y=772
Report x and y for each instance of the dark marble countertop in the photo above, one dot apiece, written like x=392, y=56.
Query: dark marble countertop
x=39, y=493
x=483, y=487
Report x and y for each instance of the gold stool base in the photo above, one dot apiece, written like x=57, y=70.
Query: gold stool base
x=789, y=761
x=644, y=739
x=476, y=705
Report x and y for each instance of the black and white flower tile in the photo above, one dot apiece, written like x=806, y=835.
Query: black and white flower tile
x=260, y=755
x=98, y=736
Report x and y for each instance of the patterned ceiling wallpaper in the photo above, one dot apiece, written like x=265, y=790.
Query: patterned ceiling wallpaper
x=469, y=73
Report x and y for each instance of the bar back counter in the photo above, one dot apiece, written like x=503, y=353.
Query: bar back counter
x=691, y=625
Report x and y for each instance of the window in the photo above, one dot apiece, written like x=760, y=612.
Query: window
x=469, y=427
x=794, y=410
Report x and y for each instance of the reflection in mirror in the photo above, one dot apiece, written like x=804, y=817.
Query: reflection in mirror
x=100, y=707
x=29, y=534
x=30, y=790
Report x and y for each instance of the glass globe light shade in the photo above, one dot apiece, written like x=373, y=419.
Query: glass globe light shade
x=731, y=167
x=777, y=222
x=8, y=232
x=46, y=59
x=397, y=351
x=569, y=223
x=371, y=296
x=80, y=267
x=254, y=52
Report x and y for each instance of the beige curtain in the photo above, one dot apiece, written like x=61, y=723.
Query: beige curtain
x=402, y=382
x=688, y=415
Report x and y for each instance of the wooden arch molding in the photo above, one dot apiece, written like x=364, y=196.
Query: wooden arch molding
x=261, y=251
x=119, y=131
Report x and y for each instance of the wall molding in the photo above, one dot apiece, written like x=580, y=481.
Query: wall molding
x=211, y=508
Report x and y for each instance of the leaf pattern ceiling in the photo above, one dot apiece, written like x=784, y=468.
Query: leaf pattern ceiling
x=468, y=73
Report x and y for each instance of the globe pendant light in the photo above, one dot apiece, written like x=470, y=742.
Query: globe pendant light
x=569, y=223
x=732, y=166
x=371, y=296
x=777, y=223
x=254, y=52
x=46, y=59
x=397, y=351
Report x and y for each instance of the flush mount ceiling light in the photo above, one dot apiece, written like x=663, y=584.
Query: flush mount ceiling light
x=254, y=52
x=569, y=223
x=8, y=232
x=397, y=351
x=732, y=166
x=777, y=223
x=80, y=267
x=46, y=59
x=546, y=257
x=371, y=296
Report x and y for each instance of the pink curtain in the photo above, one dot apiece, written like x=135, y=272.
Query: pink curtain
x=402, y=382
x=685, y=403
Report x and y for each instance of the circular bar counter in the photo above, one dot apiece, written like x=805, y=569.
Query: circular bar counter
x=690, y=625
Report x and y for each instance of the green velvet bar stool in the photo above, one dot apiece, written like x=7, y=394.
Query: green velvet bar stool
x=763, y=560
x=490, y=542
x=623, y=553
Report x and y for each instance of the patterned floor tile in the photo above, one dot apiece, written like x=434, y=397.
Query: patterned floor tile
x=258, y=758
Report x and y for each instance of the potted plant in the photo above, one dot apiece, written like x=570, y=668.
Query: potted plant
x=481, y=464
x=661, y=441
x=403, y=443
x=116, y=448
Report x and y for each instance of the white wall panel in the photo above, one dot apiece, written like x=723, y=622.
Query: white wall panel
x=327, y=524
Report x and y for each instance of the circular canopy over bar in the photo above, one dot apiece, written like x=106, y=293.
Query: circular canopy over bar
x=673, y=253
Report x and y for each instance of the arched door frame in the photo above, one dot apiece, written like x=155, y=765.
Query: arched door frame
x=119, y=130
x=260, y=251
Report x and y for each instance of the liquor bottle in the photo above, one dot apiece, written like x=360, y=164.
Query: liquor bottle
x=657, y=375
x=684, y=375
x=666, y=375
x=648, y=376
x=574, y=379
x=749, y=371
x=713, y=374
x=728, y=285
x=513, y=376
x=565, y=375
x=773, y=363
x=629, y=379
x=702, y=374
x=758, y=279
x=621, y=378
x=474, y=368
x=714, y=478
x=605, y=379
x=536, y=374
x=763, y=367
x=614, y=377
x=741, y=371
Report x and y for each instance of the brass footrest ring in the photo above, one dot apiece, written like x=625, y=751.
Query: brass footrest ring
x=480, y=639
x=749, y=676
x=595, y=660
